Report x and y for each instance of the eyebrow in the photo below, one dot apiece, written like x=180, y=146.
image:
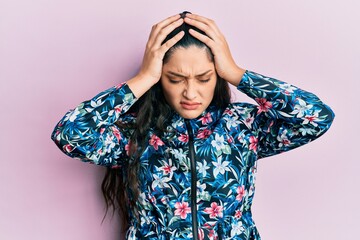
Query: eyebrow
x=181, y=75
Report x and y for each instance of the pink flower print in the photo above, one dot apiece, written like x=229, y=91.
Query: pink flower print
x=102, y=130
x=285, y=142
x=203, y=134
x=182, y=209
x=283, y=139
x=117, y=109
x=183, y=138
x=155, y=141
x=206, y=119
x=241, y=192
x=168, y=168
x=264, y=105
x=165, y=200
x=214, y=210
x=152, y=198
x=119, y=85
x=116, y=133
x=311, y=119
x=127, y=148
x=253, y=143
x=249, y=121
x=57, y=136
x=230, y=139
x=68, y=148
x=211, y=234
x=238, y=214
x=208, y=225
x=201, y=234
x=228, y=112
x=270, y=125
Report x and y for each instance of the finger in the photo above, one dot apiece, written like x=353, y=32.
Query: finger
x=171, y=42
x=198, y=17
x=209, y=22
x=166, y=30
x=157, y=27
x=203, y=38
x=202, y=26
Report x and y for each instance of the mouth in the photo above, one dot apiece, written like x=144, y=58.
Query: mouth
x=190, y=105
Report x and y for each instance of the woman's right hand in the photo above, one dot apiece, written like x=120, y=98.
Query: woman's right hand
x=151, y=68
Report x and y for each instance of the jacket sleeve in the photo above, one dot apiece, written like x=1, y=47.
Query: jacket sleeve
x=286, y=117
x=88, y=131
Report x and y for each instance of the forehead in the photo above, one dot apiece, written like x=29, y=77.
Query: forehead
x=192, y=60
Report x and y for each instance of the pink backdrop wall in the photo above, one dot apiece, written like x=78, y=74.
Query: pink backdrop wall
x=55, y=54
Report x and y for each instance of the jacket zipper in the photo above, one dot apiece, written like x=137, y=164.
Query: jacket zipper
x=220, y=231
x=193, y=181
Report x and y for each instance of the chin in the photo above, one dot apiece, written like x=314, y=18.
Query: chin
x=190, y=115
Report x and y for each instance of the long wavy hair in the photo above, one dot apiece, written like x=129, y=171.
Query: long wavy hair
x=120, y=187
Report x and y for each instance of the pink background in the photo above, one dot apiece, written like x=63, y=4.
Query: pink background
x=55, y=54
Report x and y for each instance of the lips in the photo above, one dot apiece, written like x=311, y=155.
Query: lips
x=190, y=105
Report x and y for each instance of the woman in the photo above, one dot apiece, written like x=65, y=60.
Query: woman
x=181, y=158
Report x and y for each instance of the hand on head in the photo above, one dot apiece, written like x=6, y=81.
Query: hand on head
x=154, y=52
x=160, y=42
x=215, y=40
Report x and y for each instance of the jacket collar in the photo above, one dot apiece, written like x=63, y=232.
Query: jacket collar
x=206, y=120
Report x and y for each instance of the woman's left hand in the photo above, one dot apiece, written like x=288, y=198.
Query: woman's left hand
x=215, y=40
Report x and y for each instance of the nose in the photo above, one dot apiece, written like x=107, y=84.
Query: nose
x=190, y=91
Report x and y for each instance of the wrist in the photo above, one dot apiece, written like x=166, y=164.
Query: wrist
x=235, y=76
x=141, y=84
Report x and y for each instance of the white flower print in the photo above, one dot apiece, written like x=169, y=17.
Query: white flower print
x=109, y=143
x=161, y=182
x=179, y=154
x=307, y=131
x=220, y=167
x=71, y=116
x=288, y=88
x=301, y=108
x=283, y=139
x=202, y=167
x=232, y=122
x=240, y=109
x=249, y=120
x=168, y=168
x=98, y=119
x=312, y=119
x=237, y=228
x=218, y=143
x=96, y=104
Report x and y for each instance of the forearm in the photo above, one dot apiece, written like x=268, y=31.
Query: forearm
x=287, y=100
x=83, y=131
x=286, y=116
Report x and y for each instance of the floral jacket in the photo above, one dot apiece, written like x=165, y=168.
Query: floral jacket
x=197, y=181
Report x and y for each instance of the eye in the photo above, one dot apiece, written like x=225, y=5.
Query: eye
x=205, y=80
x=174, y=81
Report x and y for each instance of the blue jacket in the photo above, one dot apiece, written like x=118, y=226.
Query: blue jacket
x=199, y=177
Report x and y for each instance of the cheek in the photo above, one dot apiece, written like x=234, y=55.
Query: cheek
x=170, y=92
x=209, y=91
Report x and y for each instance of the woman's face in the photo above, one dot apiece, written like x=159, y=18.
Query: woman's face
x=188, y=80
